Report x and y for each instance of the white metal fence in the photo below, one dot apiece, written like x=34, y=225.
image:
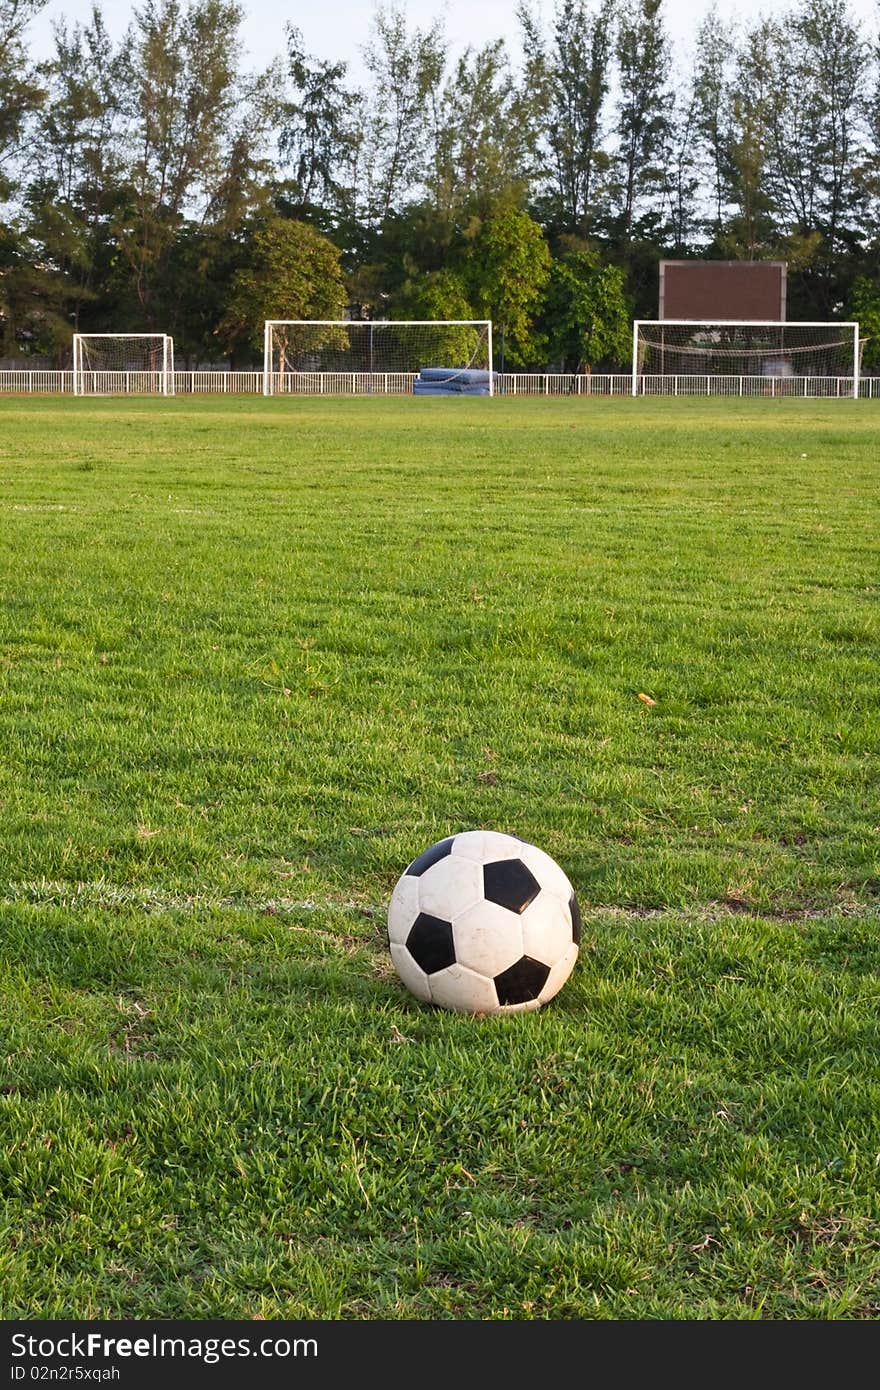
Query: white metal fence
x=39, y=381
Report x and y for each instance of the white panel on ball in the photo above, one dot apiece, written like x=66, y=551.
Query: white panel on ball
x=546, y=870
x=546, y=927
x=450, y=886
x=415, y=979
x=486, y=845
x=488, y=939
x=463, y=990
x=403, y=908
x=559, y=973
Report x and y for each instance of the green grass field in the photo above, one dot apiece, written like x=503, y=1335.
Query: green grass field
x=257, y=655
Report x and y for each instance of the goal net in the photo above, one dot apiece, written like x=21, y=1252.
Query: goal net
x=107, y=364
x=382, y=357
x=771, y=352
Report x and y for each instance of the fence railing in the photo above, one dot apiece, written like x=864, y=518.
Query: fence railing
x=40, y=381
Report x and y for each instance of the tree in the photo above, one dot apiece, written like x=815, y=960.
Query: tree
x=713, y=114
x=406, y=72
x=586, y=314
x=507, y=267
x=864, y=307
x=32, y=318
x=439, y=294
x=182, y=101
x=318, y=134
x=482, y=147
x=290, y=272
x=680, y=178
x=20, y=91
x=750, y=231
x=78, y=143
x=819, y=63
x=196, y=285
x=570, y=82
x=642, y=109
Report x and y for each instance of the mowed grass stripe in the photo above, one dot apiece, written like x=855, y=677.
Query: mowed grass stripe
x=253, y=657
x=688, y=1131
x=255, y=631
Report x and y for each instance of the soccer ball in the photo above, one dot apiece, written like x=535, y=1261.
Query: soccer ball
x=484, y=923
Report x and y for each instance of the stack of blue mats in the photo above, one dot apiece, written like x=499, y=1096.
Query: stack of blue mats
x=451, y=381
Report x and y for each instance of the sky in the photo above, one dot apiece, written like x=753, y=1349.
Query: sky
x=337, y=29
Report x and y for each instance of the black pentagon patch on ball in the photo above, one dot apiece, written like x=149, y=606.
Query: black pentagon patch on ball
x=522, y=982
x=430, y=856
x=575, y=914
x=430, y=943
x=510, y=883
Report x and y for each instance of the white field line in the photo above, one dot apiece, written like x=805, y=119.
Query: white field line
x=100, y=893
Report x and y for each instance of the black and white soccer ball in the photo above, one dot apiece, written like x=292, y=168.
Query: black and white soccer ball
x=484, y=923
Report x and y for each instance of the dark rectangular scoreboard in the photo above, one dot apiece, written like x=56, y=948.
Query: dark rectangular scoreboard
x=722, y=290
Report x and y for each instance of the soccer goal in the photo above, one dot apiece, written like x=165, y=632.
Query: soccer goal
x=379, y=357
x=113, y=364
x=745, y=357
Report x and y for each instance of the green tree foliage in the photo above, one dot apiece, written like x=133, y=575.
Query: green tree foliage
x=439, y=294
x=290, y=272
x=507, y=268
x=182, y=98
x=406, y=71
x=73, y=203
x=714, y=57
x=32, y=318
x=821, y=60
x=135, y=176
x=749, y=233
x=680, y=175
x=586, y=313
x=568, y=80
x=483, y=140
x=643, y=109
x=318, y=130
x=20, y=90
x=864, y=307
x=21, y=95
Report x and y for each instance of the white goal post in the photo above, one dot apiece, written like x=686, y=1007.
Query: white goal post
x=378, y=357
x=113, y=364
x=765, y=352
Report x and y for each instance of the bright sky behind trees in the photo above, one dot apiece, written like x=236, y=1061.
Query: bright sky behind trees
x=337, y=28
x=141, y=164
